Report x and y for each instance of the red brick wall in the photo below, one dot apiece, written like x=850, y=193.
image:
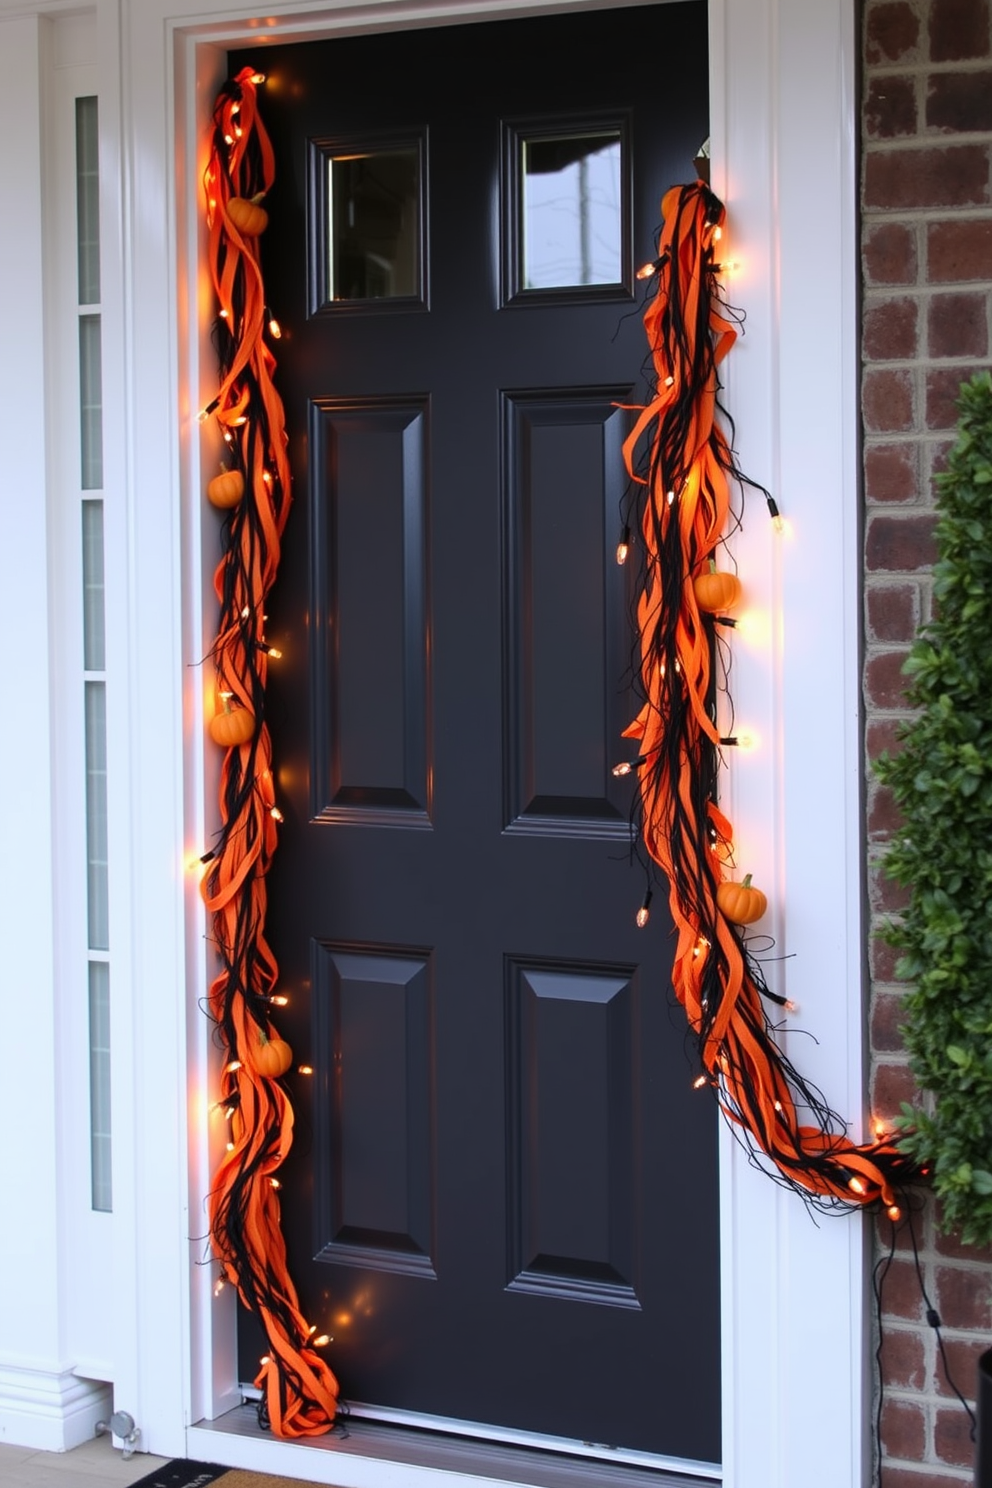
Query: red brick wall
x=927, y=303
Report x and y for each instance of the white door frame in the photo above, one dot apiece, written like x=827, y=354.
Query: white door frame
x=783, y=110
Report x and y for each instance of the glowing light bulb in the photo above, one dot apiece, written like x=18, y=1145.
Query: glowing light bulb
x=274, y=652
x=644, y=913
x=646, y=270
x=258, y=78
x=894, y=1213
x=778, y=1105
x=777, y=522
x=228, y=139
x=879, y=1130
x=267, y=477
x=790, y=1006
x=857, y=1185
x=219, y=1287
x=304, y=1069
x=717, y=233
x=230, y=1146
x=235, y=1064
x=275, y=329
x=223, y=315
x=623, y=546
x=699, y=1082
x=280, y=1000
x=265, y=1359
x=622, y=769
x=322, y=1340
x=669, y=381
x=276, y=814
x=670, y=497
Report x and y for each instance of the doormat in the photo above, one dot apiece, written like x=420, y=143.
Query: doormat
x=182, y=1473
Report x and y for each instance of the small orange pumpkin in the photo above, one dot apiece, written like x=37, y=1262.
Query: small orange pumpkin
x=716, y=591
x=740, y=902
x=226, y=489
x=232, y=726
x=271, y=1056
x=247, y=216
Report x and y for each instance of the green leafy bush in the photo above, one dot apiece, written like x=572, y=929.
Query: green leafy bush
x=942, y=781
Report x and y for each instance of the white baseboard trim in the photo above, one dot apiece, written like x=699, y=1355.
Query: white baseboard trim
x=52, y=1411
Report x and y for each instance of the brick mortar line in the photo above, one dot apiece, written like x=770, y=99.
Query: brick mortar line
x=925, y=365
x=925, y=288
x=924, y=216
x=930, y=135
x=908, y=437
x=918, y=69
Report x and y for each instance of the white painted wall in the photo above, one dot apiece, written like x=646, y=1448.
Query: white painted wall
x=783, y=147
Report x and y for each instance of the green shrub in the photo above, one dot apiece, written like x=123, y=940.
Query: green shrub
x=942, y=782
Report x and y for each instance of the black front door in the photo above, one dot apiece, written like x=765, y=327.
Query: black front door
x=502, y=1202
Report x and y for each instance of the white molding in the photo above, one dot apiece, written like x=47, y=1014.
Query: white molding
x=783, y=152
x=49, y=1410
x=29, y=1090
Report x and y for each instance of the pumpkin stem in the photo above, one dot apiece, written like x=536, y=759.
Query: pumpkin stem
x=712, y=565
x=258, y=198
x=747, y=882
x=225, y=698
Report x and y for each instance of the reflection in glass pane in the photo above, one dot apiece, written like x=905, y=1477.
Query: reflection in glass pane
x=571, y=210
x=93, y=621
x=374, y=229
x=97, y=904
x=90, y=403
x=100, y=1154
x=87, y=201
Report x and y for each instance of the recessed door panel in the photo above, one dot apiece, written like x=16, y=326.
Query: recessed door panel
x=501, y=1176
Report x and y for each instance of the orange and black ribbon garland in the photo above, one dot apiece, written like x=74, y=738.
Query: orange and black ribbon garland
x=681, y=465
x=299, y=1389
x=683, y=509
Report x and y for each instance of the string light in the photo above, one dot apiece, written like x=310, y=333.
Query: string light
x=671, y=497
x=700, y=1081
x=623, y=546
x=322, y=1340
x=857, y=1185
x=304, y=1069
x=205, y=413
x=275, y=1183
x=235, y=1064
x=894, y=1213
x=280, y=1000
x=276, y=814
x=258, y=78
x=644, y=913
x=626, y=766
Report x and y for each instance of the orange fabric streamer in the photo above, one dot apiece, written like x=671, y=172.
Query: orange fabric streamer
x=680, y=461
x=299, y=1390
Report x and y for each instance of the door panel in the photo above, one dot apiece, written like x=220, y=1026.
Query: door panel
x=502, y=1200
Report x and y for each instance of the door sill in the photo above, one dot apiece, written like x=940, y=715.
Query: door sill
x=372, y=1454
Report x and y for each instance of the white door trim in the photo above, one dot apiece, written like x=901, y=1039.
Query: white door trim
x=783, y=113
